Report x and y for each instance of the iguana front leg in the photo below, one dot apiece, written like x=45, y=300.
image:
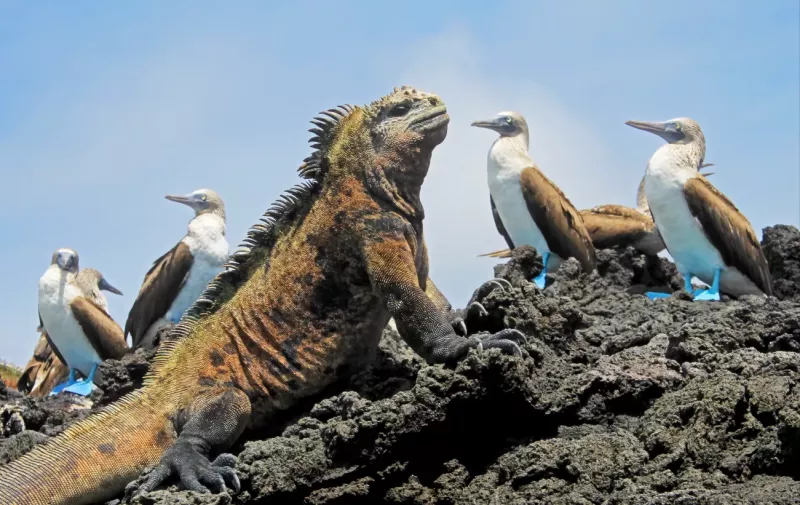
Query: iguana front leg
x=394, y=276
x=211, y=424
x=443, y=306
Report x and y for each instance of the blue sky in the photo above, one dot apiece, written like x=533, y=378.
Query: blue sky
x=106, y=107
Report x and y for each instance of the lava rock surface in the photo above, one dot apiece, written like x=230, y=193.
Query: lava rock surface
x=618, y=399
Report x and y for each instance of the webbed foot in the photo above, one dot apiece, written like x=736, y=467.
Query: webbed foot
x=712, y=293
x=82, y=387
x=505, y=340
x=654, y=295
x=194, y=470
x=67, y=383
x=707, y=295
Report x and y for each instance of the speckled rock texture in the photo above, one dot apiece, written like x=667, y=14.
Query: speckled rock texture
x=617, y=400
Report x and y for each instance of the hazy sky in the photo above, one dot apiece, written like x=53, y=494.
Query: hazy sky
x=105, y=107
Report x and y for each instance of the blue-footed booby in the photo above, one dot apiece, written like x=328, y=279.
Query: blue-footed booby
x=45, y=369
x=528, y=208
x=79, y=330
x=178, y=278
x=702, y=229
x=611, y=226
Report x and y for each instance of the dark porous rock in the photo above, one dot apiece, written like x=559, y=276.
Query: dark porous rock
x=116, y=378
x=617, y=399
x=781, y=246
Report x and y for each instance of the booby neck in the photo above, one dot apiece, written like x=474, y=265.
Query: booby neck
x=510, y=153
x=677, y=159
x=207, y=223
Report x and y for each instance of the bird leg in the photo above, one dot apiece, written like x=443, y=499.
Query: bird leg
x=540, y=279
x=85, y=386
x=713, y=292
x=687, y=283
x=60, y=387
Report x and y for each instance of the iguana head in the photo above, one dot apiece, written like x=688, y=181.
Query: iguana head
x=387, y=143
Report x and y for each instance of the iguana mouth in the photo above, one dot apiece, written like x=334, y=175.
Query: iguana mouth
x=431, y=121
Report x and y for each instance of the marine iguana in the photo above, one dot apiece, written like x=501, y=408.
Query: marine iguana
x=302, y=304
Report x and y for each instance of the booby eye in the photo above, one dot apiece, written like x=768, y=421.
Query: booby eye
x=677, y=126
x=398, y=110
x=509, y=120
x=203, y=198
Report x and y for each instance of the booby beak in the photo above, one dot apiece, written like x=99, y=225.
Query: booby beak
x=186, y=200
x=105, y=286
x=657, y=127
x=664, y=129
x=492, y=124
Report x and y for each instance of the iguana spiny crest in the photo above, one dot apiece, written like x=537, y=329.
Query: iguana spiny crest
x=373, y=143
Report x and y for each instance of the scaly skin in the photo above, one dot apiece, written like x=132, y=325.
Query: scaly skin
x=303, y=305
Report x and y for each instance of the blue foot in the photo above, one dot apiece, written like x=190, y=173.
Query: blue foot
x=82, y=388
x=706, y=294
x=540, y=279
x=655, y=295
x=712, y=293
x=60, y=387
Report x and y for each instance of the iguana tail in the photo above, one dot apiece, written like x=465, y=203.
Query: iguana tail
x=93, y=460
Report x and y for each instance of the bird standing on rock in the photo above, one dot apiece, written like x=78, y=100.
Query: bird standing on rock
x=79, y=331
x=45, y=369
x=704, y=232
x=528, y=208
x=178, y=278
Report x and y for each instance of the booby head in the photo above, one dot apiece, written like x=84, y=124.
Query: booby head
x=685, y=139
x=202, y=201
x=93, y=278
x=507, y=124
x=681, y=130
x=66, y=259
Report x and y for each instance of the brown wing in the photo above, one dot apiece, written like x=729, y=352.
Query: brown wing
x=40, y=354
x=728, y=230
x=160, y=287
x=103, y=333
x=616, y=226
x=557, y=218
x=499, y=224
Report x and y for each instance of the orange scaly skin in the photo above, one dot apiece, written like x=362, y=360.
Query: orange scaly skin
x=303, y=305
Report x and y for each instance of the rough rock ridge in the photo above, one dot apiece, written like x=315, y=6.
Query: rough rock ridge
x=618, y=400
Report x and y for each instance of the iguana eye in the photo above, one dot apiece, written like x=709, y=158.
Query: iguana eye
x=399, y=110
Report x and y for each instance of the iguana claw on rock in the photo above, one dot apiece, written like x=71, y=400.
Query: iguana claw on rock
x=303, y=304
x=475, y=308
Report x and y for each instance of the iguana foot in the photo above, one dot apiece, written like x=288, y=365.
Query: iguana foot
x=194, y=470
x=475, y=308
x=505, y=340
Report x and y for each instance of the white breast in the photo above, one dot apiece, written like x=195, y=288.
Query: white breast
x=504, y=169
x=55, y=294
x=682, y=233
x=209, y=248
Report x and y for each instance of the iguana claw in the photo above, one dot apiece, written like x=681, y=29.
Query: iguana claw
x=477, y=309
x=487, y=287
x=194, y=470
x=505, y=340
x=459, y=326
